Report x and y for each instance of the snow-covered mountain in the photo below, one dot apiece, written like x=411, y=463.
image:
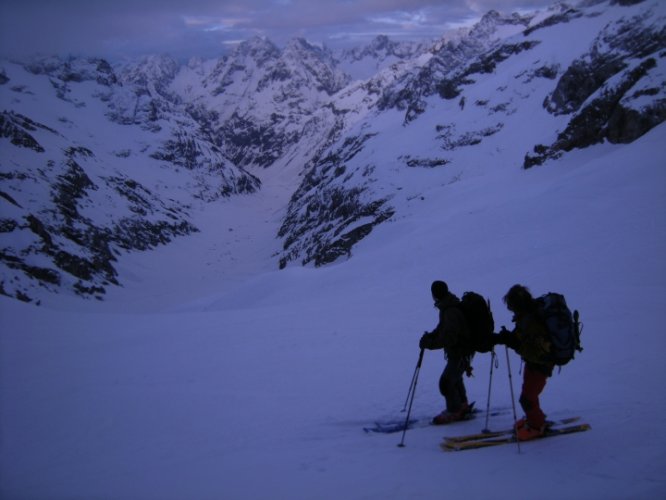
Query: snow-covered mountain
x=262, y=101
x=94, y=164
x=100, y=160
x=569, y=79
x=448, y=55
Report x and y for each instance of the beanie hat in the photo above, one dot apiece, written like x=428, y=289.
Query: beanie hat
x=439, y=289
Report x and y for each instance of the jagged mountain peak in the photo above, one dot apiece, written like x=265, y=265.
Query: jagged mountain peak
x=381, y=47
x=72, y=68
x=258, y=48
x=311, y=64
x=298, y=44
x=410, y=90
x=155, y=67
x=494, y=25
x=260, y=98
x=491, y=19
x=382, y=42
x=364, y=62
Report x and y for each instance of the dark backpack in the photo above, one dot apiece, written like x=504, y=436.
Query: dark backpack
x=480, y=321
x=563, y=327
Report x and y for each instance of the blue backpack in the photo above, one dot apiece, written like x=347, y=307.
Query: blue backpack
x=563, y=326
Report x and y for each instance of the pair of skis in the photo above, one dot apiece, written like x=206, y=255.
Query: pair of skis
x=497, y=438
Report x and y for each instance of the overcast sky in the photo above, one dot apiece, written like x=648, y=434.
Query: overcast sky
x=112, y=28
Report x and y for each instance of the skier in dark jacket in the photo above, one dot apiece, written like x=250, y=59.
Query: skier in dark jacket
x=531, y=341
x=452, y=335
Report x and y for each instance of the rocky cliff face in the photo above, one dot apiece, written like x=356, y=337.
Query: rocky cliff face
x=329, y=213
x=614, y=91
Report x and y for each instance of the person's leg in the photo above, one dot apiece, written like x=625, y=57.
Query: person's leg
x=533, y=384
x=451, y=385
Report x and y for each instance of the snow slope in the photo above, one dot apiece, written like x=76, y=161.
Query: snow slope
x=234, y=380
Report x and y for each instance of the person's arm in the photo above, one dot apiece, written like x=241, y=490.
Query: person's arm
x=507, y=338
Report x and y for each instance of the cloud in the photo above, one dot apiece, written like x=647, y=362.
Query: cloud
x=113, y=28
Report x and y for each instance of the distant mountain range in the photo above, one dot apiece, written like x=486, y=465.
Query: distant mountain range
x=99, y=159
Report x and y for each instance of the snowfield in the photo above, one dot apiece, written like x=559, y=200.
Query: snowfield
x=229, y=379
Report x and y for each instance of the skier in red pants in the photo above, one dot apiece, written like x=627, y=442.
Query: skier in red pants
x=530, y=340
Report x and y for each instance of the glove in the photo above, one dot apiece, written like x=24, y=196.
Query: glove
x=425, y=341
x=498, y=340
x=502, y=337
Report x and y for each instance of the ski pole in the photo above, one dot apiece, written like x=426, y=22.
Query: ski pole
x=411, y=400
x=513, y=401
x=493, y=361
x=411, y=384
